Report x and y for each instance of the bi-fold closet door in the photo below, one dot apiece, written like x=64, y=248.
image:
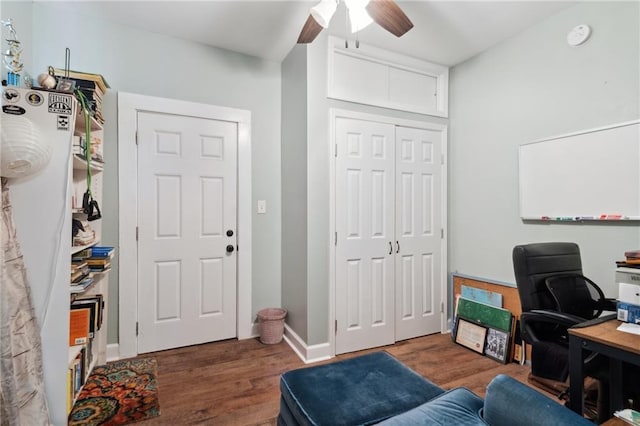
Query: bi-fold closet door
x=388, y=233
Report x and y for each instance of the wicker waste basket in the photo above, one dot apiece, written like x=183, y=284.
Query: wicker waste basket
x=271, y=325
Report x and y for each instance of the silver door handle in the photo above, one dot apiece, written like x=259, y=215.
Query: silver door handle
x=390, y=247
x=397, y=247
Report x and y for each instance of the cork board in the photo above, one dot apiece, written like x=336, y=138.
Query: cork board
x=510, y=297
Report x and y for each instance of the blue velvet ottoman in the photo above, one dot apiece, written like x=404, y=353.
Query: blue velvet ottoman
x=358, y=391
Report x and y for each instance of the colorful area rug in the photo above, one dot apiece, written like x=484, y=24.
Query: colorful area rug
x=118, y=393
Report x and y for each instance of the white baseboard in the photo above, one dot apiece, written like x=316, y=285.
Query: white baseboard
x=308, y=354
x=247, y=331
x=113, y=352
x=253, y=333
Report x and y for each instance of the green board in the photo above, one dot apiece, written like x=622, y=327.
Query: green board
x=487, y=315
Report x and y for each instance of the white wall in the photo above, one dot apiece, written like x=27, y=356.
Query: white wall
x=529, y=87
x=294, y=189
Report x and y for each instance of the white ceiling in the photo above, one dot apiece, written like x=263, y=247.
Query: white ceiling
x=445, y=32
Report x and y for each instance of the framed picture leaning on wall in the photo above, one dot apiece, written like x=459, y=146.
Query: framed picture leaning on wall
x=497, y=345
x=470, y=335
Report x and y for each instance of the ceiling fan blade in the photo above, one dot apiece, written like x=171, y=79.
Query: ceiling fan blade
x=310, y=30
x=389, y=16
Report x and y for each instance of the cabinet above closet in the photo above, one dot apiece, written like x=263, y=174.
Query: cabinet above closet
x=372, y=76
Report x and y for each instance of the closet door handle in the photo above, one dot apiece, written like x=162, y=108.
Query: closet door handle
x=390, y=247
x=397, y=247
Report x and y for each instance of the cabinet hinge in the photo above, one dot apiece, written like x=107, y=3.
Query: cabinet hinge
x=136, y=328
x=336, y=327
x=442, y=159
x=335, y=150
x=441, y=232
x=136, y=137
x=137, y=233
x=441, y=307
x=335, y=238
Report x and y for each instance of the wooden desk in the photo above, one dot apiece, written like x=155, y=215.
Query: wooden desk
x=606, y=340
x=615, y=422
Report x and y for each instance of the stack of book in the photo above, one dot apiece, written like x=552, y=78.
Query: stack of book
x=632, y=260
x=93, y=86
x=81, y=277
x=86, y=235
x=90, y=307
x=100, y=259
x=77, y=373
x=95, y=147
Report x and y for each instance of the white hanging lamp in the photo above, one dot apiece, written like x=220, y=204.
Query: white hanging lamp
x=23, y=150
x=323, y=12
x=358, y=16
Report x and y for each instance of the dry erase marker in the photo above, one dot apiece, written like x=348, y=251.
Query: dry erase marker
x=612, y=216
x=586, y=217
x=564, y=218
x=545, y=218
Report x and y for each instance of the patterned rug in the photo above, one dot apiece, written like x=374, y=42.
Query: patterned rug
x=118, y=393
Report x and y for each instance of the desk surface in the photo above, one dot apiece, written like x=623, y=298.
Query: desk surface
x=614, y=421
x=607, y=334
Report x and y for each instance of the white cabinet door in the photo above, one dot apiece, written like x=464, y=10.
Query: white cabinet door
x=187, y=206
x=365, y=232
x=418, y=225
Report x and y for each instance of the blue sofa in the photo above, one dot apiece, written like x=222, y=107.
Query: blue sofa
x=378, y=389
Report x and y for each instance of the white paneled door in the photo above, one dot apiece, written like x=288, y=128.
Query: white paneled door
x=388, y=233
x=187, y=174
x=365, y=235
x=418, y=238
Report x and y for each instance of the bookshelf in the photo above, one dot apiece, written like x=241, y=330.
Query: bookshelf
x=88, y=294
x=43, y=213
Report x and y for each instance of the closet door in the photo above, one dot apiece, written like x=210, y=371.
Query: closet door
x=365, y=234
x=418, y=240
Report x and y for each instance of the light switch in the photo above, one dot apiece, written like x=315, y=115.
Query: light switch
x=262, y=206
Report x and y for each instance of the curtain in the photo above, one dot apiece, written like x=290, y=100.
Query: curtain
x=22, y=397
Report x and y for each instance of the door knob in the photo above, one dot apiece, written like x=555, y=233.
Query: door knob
x=230, y=248
x=229, y=233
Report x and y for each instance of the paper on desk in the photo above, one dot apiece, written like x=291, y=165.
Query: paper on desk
x=627, y=327
x=630, y=416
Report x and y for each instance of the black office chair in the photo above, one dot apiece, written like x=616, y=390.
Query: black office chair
x=555, y=295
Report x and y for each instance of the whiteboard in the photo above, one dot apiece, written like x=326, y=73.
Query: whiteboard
x=588, y=175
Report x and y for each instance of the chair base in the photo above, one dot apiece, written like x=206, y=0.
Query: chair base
x=554, y=387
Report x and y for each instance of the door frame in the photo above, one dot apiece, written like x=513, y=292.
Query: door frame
x=335, y=113
x=129, y=105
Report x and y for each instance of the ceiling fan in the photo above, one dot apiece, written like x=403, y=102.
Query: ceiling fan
x=385, y=13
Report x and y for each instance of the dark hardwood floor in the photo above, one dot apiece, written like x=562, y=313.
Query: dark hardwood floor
x=236, y=382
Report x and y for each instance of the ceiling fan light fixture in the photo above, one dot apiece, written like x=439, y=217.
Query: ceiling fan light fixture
x=358, y=16
x=385, y=13
x=323, y=12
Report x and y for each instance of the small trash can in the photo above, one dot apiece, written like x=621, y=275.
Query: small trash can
x=271, y=325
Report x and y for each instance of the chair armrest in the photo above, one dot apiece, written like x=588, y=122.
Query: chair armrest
x=609, y=304
x=504, y=394
x=537, y=316
x=555, y=317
